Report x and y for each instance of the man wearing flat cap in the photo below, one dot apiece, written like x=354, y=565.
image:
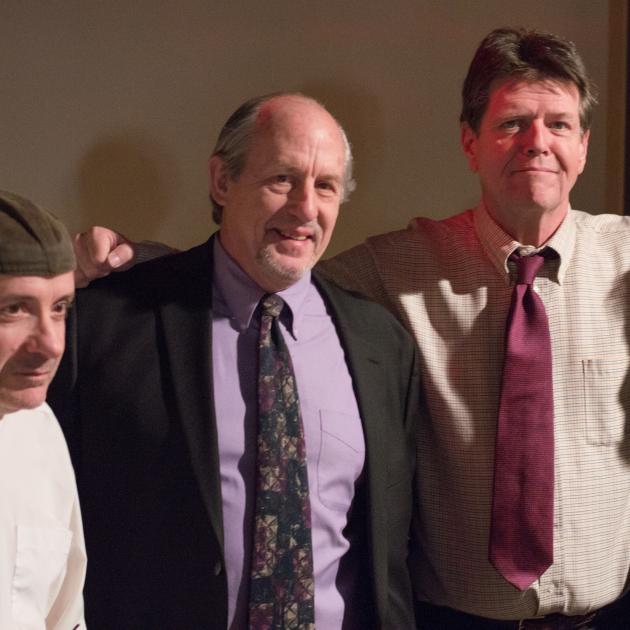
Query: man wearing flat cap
x=42, y=551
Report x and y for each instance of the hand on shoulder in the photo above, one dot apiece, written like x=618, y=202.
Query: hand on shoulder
x=99, y=252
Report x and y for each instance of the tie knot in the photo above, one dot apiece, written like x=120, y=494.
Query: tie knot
x=272, y=304
x=527, y=267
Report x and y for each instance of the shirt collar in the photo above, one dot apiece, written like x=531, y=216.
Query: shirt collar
x=237, y=296
x=499, y=245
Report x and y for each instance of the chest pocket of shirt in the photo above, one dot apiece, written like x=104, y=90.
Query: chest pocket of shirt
x=605, y=383
x=340, y=460
x=40, y=567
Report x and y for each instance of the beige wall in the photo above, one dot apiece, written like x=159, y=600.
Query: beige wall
x=108, y=109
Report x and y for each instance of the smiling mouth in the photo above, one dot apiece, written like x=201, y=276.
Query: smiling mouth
x=34, y=375
x=41, y=371
x=293, y=237
x=533, y=169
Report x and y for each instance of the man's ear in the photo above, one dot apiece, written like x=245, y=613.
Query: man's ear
x=469, y=140
x=219, y=179
x=583, y=150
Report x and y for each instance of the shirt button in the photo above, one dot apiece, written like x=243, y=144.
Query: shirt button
x=217, y=569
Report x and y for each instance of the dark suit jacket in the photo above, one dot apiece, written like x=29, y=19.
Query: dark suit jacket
x=134, y=397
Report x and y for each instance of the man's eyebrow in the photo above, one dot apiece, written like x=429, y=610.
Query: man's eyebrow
x=280, y=163
x=286, y=167
x=562, y=114
x=16, y=297
x=513, y=112
x=13, y=297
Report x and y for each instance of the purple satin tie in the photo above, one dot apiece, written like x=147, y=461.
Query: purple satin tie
x=521, y=529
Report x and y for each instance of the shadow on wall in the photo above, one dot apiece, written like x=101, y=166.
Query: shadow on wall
x=360, y=113
x=126, y=182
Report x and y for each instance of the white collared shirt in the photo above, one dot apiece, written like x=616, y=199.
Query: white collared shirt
x=42, y=551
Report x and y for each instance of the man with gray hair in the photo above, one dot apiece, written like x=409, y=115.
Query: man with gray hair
x=242, y=431
x=41, y=538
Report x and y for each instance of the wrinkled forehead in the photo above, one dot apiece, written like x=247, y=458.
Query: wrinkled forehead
x=294, y=115
x=538, y=86
x=549, y=97
x=36, y=288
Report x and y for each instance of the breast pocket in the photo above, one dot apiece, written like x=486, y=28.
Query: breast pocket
x=604, y=386
x=340, y=460
x=40, y=567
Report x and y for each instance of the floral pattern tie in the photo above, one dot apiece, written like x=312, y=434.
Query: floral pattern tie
x=281, y=584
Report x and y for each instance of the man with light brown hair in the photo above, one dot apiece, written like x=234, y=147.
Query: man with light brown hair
x=525, y=127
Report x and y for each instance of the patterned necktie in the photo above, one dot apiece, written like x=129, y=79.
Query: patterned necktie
x=521, y=530
x=281, y=584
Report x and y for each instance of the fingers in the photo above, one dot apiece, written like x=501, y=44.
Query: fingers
x=121, y=257
x=99, y=251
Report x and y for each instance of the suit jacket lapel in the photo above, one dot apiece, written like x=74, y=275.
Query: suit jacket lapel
x=367, y=372
x=186, y=326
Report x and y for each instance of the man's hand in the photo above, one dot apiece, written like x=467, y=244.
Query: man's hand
x=99, y=251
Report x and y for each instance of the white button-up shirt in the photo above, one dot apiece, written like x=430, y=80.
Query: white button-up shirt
x=42, y=551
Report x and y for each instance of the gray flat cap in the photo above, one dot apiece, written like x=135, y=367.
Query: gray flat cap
x=32, y=241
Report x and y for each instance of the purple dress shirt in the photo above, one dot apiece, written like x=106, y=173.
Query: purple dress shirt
x=333, y=433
